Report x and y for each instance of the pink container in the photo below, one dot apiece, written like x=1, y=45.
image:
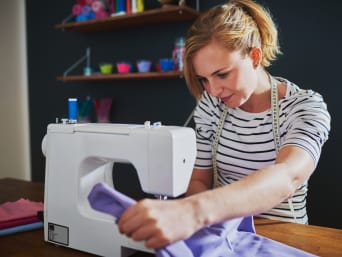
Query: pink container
x=123, y=67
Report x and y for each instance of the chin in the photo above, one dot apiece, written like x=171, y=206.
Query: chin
x=230, y=105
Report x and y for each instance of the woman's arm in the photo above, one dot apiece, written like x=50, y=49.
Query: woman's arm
x=201, y=180
x=259, y=191
x=162, y=222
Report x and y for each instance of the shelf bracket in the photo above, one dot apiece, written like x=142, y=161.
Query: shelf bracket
x=197, y=5
x=85, y=57
x=67, y=19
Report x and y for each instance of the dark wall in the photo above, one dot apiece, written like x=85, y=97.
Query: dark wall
x=310, y=40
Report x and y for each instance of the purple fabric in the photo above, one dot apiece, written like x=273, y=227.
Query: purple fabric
x=231, y=238
x=105, y=199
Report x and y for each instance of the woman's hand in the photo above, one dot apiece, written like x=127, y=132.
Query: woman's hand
x=159, y=222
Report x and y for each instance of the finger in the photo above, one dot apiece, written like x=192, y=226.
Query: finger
x=156, y=242
x=134, y=221
x=138, y=213
x=129, y=227
x=128, y=221
x=144, y=232
x=138, y=208
x=128, y=214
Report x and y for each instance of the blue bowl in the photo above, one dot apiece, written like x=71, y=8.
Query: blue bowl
x=166, y=64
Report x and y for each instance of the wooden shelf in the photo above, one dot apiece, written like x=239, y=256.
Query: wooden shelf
x=169, y=13
x=125, y=76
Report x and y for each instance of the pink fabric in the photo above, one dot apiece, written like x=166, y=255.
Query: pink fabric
x=20, y=212
x=19, y=222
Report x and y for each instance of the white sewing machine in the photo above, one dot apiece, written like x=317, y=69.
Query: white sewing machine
x=80, y=155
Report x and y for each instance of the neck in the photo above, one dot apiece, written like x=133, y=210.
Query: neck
x=260, y=100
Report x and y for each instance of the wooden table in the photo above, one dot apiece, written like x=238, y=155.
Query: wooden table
x=321, y=241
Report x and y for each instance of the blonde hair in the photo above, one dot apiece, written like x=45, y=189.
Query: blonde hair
x=238, y=25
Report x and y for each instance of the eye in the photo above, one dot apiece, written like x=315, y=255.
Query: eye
x=223, y=75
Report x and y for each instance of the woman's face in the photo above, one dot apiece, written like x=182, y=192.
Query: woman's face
x=225, y=74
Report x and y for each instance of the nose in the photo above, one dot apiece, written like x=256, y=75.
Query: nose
x=214, y=89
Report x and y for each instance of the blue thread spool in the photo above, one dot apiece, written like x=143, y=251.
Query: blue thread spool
x=87, y=71
x=73, y=109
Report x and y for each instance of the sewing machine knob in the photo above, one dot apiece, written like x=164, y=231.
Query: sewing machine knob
x=157, y=124
x=44, y=145
x=65, y=121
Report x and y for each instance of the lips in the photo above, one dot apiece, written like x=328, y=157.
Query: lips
x=226, y=99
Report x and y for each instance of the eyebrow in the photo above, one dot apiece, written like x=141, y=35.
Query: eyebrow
x=213, y=73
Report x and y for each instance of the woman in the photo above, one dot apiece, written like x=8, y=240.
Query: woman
x=259, y=137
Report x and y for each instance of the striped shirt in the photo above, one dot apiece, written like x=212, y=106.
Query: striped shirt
x=246, y=143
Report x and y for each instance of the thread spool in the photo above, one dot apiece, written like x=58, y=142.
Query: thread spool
x=140, y=5
x=73, y=109
x=87, y=71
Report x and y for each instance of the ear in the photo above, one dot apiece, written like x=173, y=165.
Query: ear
x=256, y=56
